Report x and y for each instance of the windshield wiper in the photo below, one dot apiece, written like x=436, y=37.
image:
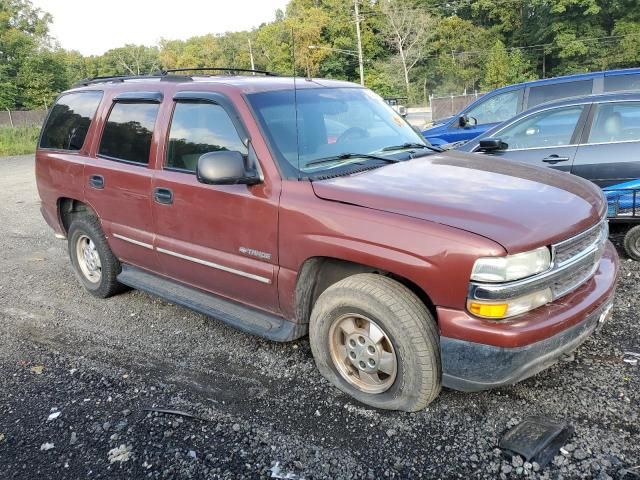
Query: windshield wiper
x=347, y=156
x=409, y=145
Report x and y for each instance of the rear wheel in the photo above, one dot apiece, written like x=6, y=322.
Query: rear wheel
x=632, y=242
x=95, y=265
x=375, y=340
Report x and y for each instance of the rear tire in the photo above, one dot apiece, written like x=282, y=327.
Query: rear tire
x=632, y=242
x=93, y=261
x=359, y=325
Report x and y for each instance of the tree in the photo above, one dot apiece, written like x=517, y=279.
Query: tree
x=504, y=68
x=39, y=80
x=407, y=31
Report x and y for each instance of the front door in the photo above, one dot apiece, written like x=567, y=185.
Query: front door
x=219, y=238
x=547, y=138
x=118, y=179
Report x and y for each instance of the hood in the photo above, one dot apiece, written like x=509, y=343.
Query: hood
x=519, y=206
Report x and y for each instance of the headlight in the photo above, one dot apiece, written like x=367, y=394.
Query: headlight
x=511, y=267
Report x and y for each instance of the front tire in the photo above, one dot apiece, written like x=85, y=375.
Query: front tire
x=375, y=340
x=632, y=242
x=93, y=261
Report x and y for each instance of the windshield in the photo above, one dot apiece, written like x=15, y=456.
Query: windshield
x=331, y=122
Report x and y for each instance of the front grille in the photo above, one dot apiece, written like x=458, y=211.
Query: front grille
x=578, y=258
x=567, y=250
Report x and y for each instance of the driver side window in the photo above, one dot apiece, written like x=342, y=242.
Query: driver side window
x=198, y=128
x=549, y=128
x=496, y=109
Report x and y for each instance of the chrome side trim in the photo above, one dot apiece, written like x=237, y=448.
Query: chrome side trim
x=215, y=265
x=135, y=242
x=60, y=236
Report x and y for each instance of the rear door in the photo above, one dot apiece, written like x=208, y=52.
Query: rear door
x=219, y=238
x=118, y=177
x=610, y=151
x=547, y=138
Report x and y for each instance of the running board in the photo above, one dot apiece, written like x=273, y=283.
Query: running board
x=243, y=318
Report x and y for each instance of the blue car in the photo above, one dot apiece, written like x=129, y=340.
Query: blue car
x=504, y=103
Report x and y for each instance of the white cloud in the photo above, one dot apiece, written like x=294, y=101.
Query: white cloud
x=93, y=27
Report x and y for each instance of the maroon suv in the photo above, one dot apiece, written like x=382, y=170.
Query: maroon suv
x=285, y=207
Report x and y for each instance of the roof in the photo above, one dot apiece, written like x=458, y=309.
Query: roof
x=571, y=78
x=244, y=83
x=591, y=98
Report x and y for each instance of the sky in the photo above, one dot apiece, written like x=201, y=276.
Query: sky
x=92, y=27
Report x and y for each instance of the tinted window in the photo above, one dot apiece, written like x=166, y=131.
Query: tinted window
x=497, y=108
x=555, y=91
x=617, y=83
x=616, y=122
x=330, y=122
x=127, y=135
x=199, y=128
x=550, y=128
x=69, y=121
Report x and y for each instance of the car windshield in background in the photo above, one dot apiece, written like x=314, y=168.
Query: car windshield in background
x=335, y=124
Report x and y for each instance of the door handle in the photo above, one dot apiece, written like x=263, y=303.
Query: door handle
x=96, y=181
x=555, y=159
x=163, y=195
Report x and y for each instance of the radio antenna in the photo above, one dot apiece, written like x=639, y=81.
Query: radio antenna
x=295, y=99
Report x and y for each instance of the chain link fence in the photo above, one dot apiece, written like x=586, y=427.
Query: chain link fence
x=22, y=118
x=442, y=107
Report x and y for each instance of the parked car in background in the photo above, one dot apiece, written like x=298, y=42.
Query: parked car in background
x=291, y=208
x=504, y=103
x=596, y=137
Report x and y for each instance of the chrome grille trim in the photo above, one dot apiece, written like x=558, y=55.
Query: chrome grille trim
x=573, y=262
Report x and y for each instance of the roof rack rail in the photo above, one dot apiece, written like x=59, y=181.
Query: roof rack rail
x=220, y=69
x=165, y=75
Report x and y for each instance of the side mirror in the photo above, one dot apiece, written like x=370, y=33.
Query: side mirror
x=463, y=120
x=225, y=167
x=492, y=145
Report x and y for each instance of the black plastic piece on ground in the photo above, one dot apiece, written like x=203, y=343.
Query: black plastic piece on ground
x=537, y=439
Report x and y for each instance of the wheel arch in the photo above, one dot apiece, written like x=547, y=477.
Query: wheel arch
x=69, y=207
x=319, y=273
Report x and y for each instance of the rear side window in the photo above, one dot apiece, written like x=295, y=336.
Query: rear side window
x=127, y=134
x=199, y=128
x=69, y=121
x=618, y=83
x=546, y=93
x=616, y=122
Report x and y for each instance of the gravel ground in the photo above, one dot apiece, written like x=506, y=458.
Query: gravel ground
x=77, y=375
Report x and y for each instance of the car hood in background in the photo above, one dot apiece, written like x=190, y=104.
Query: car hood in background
x=519, y=206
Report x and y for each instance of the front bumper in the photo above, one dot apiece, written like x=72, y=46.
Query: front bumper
x=479, y=354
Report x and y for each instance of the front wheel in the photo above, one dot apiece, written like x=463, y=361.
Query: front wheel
x=375, y=340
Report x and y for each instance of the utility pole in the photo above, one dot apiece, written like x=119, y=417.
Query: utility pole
x=253, y=66
x=355, y=2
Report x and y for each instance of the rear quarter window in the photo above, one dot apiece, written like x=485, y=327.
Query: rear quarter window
x=69, y=121
x=619, y=83
x=556, y=91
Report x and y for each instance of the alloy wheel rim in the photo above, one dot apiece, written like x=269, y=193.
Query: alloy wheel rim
x=88, y=259
x=363, y=353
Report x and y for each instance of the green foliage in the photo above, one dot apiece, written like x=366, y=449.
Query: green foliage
x=18, y=141
x=505, y=68
x=410, y=47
